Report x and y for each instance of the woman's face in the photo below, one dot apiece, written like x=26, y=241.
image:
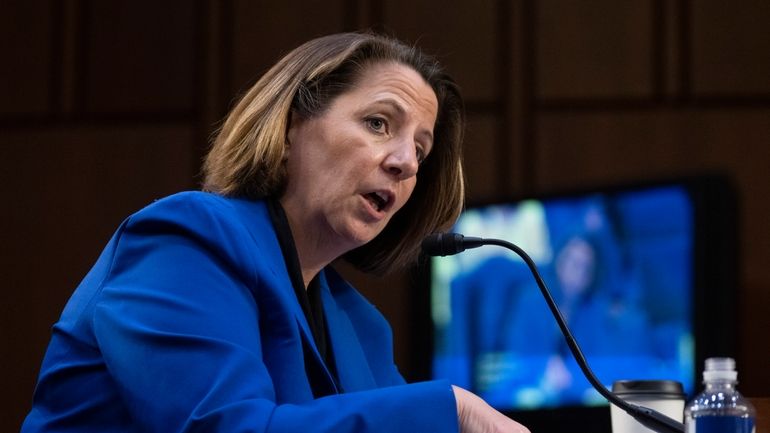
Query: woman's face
x=351, y=168
x=575, y=266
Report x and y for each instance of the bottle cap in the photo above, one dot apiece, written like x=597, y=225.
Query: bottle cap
x=720, y=369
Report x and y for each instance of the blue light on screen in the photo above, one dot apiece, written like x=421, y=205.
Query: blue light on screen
x=619, y=267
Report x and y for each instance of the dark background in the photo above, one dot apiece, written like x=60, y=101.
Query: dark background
x=107, y=105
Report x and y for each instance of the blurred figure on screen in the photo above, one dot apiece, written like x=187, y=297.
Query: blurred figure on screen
x=595, y=294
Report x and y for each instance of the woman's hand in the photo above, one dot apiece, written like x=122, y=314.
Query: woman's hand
x=476, y=416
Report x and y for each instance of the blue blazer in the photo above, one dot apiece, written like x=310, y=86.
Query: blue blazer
x=188, y=322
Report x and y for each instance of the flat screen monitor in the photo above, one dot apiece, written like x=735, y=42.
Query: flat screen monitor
x=637, y=271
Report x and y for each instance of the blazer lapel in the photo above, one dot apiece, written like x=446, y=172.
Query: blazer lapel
x=349, y=356
x=255, y=216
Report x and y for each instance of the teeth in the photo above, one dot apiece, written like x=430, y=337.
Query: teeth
x=379, y=200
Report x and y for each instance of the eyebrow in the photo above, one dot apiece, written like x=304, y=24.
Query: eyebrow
x=402, y=112
x=391, y=102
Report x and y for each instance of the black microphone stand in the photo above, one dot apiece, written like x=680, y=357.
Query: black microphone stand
x=446, y=244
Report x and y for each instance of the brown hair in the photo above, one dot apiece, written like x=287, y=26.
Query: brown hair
x=247, y=156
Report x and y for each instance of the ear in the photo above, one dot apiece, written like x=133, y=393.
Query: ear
x=292, y=129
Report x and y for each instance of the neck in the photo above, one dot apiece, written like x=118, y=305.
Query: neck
x=313, y=250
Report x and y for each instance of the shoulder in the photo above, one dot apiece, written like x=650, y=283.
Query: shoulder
x=222, y=225
x=197, y=208
x=191, y=203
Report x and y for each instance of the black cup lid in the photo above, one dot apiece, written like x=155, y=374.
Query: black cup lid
x=661, y=388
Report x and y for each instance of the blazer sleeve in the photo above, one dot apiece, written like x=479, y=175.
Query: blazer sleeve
x=178, y=328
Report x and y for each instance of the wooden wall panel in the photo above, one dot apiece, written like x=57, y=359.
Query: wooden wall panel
x=754, y=353
x=26, y=47
x=140, y=57
x=480, y=159
x=462, y=34
x=588, y=148
x=738, y=142
x=730, y=48
x=671, y=27
x=598, y=49
x=67, y=189
x=265, y=30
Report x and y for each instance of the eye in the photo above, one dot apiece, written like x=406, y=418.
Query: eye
x=377, y=124
x=420, y=155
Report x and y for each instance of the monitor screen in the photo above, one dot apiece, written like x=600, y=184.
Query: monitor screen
x=622, y=264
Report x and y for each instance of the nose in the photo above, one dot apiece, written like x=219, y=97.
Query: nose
x=401, y=160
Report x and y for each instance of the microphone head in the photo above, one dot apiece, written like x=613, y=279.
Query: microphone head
x=443, y=244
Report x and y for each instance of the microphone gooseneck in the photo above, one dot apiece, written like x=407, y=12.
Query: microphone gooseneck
x=447, y=244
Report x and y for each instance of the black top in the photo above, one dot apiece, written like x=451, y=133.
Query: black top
x=309, y=299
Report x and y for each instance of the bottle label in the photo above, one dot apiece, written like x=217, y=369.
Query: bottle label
x=721, y=424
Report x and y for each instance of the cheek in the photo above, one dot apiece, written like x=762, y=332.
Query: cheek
x=350, y=157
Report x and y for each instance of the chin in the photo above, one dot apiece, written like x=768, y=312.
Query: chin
x=362, y=239
x=361, y=235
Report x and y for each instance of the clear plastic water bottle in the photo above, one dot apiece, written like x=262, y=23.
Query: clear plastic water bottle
x=720, y=408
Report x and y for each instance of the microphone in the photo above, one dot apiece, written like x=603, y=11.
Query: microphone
x=447, y=244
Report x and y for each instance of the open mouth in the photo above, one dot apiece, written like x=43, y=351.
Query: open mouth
x=378, y=200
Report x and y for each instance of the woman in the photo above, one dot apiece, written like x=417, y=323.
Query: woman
x=216, y=311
